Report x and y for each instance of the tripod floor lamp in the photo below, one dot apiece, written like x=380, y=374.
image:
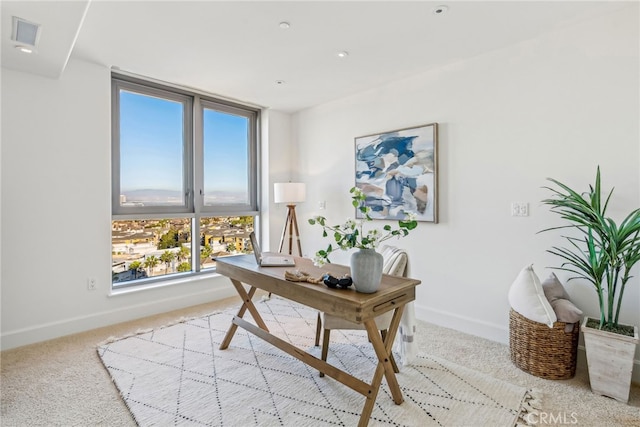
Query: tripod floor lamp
x=290, y=193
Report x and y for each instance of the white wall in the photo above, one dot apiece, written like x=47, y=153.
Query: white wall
x=556, y=106
x=276, y=152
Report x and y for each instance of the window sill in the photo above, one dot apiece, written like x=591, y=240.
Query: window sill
x=164, y=283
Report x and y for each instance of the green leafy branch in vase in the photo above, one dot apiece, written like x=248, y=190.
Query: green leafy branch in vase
x=352, y=235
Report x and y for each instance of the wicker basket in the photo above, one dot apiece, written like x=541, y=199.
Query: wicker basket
x=542, y=351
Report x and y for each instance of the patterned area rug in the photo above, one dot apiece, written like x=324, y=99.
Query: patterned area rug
x=176, y=375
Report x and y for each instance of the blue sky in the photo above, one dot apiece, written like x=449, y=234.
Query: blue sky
x=225, y=151
x=151, y=147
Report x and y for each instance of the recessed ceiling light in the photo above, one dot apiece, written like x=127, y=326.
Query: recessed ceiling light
x=440, y=10
x=24, y=49
x=280, y=82
x=343, y=54
x=284, y=25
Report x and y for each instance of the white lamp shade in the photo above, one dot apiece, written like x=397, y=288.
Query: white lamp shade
x=289, y=192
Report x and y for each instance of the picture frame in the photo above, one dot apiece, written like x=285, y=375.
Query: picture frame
x=398, y=173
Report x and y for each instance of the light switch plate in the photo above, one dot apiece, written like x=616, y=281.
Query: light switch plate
x=519, y=209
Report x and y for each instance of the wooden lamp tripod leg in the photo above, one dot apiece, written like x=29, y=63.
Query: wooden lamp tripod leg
x=292, y=224
x=287, y=224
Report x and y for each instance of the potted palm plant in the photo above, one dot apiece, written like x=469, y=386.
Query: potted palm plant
x=603, y=253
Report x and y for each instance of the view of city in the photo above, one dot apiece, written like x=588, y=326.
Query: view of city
x=151, y=248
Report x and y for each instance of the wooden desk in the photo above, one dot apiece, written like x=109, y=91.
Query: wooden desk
x=394, y=294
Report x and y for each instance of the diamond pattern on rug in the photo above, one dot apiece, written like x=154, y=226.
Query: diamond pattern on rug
x=176, y=375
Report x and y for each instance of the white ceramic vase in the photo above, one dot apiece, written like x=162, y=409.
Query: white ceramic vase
x=366, y=270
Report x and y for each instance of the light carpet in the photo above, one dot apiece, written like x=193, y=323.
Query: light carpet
x=176, y=375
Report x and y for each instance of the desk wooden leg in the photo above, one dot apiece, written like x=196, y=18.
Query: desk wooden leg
x=318, y=329
x=383, y=351
x=373, y=393
x=246, y=305
x=393, y=361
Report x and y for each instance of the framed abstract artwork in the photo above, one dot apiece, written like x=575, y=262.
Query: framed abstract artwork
x=398, y=173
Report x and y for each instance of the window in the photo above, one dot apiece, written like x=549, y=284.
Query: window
x=183, y=165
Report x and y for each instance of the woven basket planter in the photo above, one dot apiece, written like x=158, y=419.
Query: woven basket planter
x=542, y=351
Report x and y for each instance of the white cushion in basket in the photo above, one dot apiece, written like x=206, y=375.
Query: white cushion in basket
x=527, y=298
x=559, y=299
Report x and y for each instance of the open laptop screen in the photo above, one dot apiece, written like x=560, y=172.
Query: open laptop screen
x=256, y=247
x=270, y=260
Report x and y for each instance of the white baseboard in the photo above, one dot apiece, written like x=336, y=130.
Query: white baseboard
x=47, y=331
x=491, y=331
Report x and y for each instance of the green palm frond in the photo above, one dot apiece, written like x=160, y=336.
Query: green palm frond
x=606, y=252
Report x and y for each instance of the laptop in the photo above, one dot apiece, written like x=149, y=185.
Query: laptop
x=269, y=259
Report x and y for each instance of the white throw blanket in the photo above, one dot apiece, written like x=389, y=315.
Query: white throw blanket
x=405, y=344
x=395, y=262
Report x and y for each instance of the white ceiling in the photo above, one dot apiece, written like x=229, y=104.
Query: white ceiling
x=237, y=49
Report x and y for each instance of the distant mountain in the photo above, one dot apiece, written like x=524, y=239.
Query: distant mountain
x=164, y=196
x=151, y=194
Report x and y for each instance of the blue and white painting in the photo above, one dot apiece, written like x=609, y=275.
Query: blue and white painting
x=397, y=171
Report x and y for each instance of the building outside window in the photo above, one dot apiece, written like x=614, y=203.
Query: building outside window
x=184, y=181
